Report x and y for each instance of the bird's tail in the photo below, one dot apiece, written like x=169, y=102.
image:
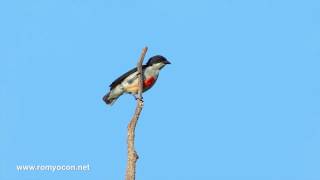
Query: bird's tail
x=108, y=99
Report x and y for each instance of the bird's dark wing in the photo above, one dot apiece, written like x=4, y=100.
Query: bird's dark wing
x=125, y=75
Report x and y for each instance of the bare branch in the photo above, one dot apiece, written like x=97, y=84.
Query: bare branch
x=132, y=154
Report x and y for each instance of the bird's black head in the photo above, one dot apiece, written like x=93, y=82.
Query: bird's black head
x=157, y=59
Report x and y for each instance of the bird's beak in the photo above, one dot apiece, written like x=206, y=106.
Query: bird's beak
x=167, y=62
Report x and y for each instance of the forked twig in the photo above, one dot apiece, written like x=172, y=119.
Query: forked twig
x=132, y=154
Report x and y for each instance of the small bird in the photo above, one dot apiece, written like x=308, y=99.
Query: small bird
x=128, y=82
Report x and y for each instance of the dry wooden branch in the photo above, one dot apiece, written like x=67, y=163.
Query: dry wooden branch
x=132, y=154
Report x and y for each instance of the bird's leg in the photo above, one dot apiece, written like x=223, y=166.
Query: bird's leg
x=136, y=97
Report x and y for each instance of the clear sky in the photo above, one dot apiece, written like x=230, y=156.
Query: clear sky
x=241, y=99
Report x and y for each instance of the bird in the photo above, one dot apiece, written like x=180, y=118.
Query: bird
x=129, y=82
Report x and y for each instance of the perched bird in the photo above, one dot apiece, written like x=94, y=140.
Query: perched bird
x=128, y=82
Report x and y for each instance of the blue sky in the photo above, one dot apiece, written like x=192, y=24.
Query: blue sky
x=241, y=99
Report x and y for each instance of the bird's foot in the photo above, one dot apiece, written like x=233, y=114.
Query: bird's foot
x=136, y=97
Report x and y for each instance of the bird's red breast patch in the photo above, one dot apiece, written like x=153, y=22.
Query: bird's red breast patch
x=149, y=82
